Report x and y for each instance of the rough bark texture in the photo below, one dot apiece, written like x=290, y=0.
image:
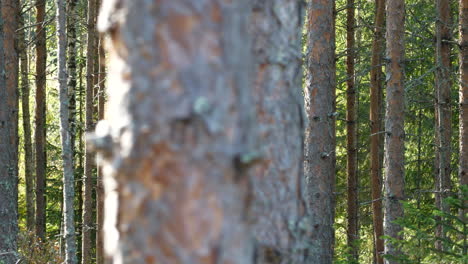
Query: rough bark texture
x=277, y=184
x=376, y=95
x=40, y=134
x=351, y=136
x=65, y=135
x=8, y=132
x=28, y=148
x=394, y=125
x=320, y=132
x=463, y=163
x=71, y=69
x=99, y=186
x=178, y=146
x=87, y=225
x=443, y=105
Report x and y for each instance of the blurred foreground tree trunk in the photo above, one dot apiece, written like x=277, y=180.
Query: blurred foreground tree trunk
x=177, y=143
x=277, y=184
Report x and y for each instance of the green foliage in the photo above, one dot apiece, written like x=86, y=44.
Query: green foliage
x=34, y=251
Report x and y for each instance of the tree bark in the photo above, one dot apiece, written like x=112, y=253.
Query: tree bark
x=463, y=95
x=72, y=54
x=40, y=134
x=28, y=149
x=100, y=187
x=320, y=132
x=443, y=105
x=65, y=135
x=8, y=131
x=86, y=251
x=277, y=185
x=178, y=148
x=376, y=95
x=351, y=136
x=394, y=126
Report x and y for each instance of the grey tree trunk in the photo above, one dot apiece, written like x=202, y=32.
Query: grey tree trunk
x=320, y=132
x=87, y=224
x=8, y=132
x=28, y=149
x=65, y=135
x=178, y=147
x=277, y=184
x=394, y=126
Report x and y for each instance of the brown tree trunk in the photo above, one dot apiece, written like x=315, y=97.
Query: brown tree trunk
x=87, y=225
x=178, y=149
x=320, y=132
x=463, y=163
x=394, y=125
x=100, y=187
x=443, y=106
x=40, y=134
x=352, y=137
x=376, y=94
x=8, y=132
x=28, y=149
x=277, y=185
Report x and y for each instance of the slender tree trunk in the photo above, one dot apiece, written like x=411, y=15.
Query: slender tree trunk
x=183, y=109
x=443, y=105
x=40, y=134
x=276, y=27
x=463, y=163
x=8, y=132
x=71, y=70
x=352, y=136
x=28, y=149
x=320, y=133
x=394, y=126
x=376, y=94
x=67, y=151
x=100, y=187
x=86, y=251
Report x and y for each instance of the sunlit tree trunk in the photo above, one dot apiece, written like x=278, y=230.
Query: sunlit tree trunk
x=320, y=132
x=277, y=184
x=65, y=135
x=352, y=136
x=40, y=114
x=8, y=131
x=86, y=247
x=177, y=151
x=394, y=126
x=376, y=95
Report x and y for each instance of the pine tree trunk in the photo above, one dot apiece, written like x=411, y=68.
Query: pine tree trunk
x=65, y=135
x=352, y=136
x=100, y=187
x=443, y=105
x=28, y=149
x=40, y=134
x=86, y=251
x=276, y=28
x=394, y=125
x=178, y=149
x=463, y=163
x=376, y=94
x=320, y=132
x=8, y=132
